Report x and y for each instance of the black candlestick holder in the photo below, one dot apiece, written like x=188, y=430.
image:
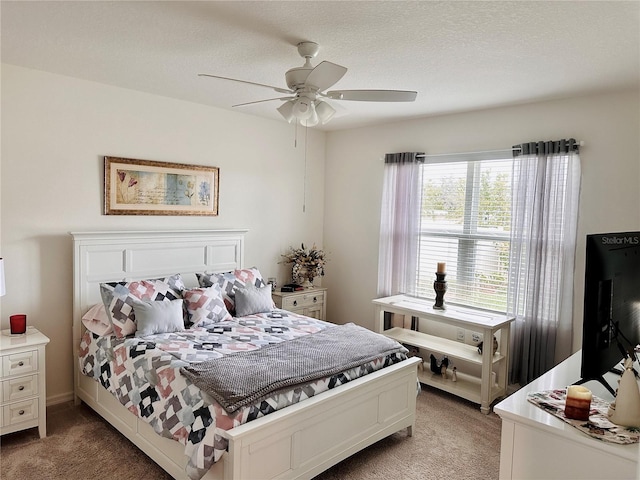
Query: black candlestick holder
x=440, y=287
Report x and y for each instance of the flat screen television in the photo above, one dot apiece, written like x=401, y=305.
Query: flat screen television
x=611, y=322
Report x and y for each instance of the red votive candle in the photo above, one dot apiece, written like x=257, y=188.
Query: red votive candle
x=18, y=323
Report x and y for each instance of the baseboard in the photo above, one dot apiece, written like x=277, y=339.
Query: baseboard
x=57, y=399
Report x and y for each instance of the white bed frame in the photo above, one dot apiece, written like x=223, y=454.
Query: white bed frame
x=299, y=441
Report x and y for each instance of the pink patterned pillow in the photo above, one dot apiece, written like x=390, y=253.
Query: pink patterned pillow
x=205, y=306
x=119, y=297
x=229, y=282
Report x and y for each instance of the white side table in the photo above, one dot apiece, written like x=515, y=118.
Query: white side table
x=311, y=302
x=22, y=375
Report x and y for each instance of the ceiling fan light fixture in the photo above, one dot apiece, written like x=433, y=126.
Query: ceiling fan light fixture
x=286, y=110
x=303, y=108
x=312, y=121
x=325, y=111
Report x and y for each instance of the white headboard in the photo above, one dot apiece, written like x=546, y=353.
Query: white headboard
x=135, y=255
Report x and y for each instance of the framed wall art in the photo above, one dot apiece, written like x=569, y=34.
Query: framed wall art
x=146, y=187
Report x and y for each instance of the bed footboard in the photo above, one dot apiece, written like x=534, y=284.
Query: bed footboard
x=299, y=441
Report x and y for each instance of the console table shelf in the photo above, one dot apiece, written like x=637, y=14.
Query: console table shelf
x=451, y=348
x=482, y=389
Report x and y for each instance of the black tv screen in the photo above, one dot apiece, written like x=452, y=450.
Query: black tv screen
x=611, y=322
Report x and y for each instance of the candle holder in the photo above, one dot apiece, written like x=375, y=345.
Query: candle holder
x=440, y=287
x=18, y=324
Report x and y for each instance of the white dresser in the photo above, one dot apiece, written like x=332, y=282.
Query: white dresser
x=22, y=375
x=537, y=445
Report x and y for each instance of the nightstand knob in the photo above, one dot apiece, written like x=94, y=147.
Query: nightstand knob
x=21, y=412
x=20, y=364
x=315, y=299
x=295, y=303
x=21, y=387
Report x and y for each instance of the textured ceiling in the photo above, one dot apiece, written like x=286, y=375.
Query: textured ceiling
x=458, y=55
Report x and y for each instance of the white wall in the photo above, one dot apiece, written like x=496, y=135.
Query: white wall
x=55, y=132
x=610, y=196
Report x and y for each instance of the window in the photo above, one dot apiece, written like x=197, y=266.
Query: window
x=465, y=221
x=506, y=229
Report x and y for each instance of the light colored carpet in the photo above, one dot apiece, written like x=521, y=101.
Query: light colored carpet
x=79, y=445
x=451, y=440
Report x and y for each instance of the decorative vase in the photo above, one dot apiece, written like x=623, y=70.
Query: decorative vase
x=307, y=283
x=304, y=276
x=625, y=409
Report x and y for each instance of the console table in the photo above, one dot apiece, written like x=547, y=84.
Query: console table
x=492, y=382
x=536, y=445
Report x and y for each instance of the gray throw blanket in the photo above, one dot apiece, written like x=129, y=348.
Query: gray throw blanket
x=244, y=378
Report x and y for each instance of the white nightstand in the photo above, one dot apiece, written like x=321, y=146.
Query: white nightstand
x=311, y=302
x=22, y=375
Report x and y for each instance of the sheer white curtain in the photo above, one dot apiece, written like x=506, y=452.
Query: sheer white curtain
x=546, y=186
x=399, y=223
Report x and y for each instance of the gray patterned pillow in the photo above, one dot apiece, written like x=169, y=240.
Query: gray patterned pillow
x=205, y=306
x=230, y=282
x=118, y=299
x=252, y=300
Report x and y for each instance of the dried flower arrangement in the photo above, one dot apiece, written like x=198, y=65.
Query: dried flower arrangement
x=307, y=263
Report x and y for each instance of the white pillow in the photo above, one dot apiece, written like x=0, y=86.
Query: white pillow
x=252, y=300
x=97, y=321
x=158, y=317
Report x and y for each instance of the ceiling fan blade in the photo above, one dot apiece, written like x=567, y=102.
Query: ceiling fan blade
x=277, y=89
x=373, y=95
x=325, y=75
x=261, y=101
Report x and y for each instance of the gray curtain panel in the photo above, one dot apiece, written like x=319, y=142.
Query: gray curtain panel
x=546, y=187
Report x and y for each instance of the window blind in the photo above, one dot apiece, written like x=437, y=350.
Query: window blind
x=465, y=221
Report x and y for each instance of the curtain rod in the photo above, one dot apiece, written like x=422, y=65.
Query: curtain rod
x=580, y=143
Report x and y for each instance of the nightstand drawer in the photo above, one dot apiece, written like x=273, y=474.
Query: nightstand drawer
x=18, y=412
x=19, y=363
x=304, y=300
x=17, y=388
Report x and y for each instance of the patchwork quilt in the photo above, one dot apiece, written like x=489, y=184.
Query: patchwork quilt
x=144, y=375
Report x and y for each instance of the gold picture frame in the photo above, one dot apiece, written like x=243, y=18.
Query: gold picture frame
x=147, y=187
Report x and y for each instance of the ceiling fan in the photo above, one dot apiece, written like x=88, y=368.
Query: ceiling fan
x=306, y=89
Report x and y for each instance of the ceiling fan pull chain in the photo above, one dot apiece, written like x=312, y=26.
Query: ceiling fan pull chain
x=304, y=186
